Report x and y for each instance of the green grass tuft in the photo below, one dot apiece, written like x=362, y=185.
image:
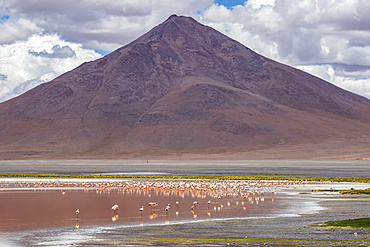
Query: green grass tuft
x=218, y=177
x=240, y=240
x=353, y=223
x=351, y=191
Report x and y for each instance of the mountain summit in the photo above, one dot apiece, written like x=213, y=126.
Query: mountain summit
x=184, y=89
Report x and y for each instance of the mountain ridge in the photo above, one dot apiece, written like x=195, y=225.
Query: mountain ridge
x=180, y=88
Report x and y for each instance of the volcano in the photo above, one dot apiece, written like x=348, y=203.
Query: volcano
x=185, y=90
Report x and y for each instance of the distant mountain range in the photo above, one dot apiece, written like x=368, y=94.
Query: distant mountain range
x=184, y=90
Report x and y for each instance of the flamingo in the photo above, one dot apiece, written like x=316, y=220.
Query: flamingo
x=177, y=208
x=77, y=212
x=153, y=204
x=194, y=204
x=141, y=210
x=115, y=207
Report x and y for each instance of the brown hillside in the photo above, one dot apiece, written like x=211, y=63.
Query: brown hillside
x=185, y=89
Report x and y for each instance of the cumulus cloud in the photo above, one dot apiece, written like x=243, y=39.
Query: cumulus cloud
x=105, y=25
x=218, y=13
x=316, y=36
x=29, y=84
x=40, y=58
x=353, y=78
x=307, y=32
x=13, y=29
x=42, y=39
x=56, y=52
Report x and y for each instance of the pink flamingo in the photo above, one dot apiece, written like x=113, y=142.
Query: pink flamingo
x=115, y=207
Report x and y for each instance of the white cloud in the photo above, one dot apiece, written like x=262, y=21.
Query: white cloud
x=17, y=29
x=38, y=59
x=256, y=4
x=218, y=13
x=42, y=39
x=105, y=25
x=308, y=32
x=52, y=37
x=56, y=52
x=350, y=77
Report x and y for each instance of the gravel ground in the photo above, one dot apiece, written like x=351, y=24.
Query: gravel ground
x=321, y=168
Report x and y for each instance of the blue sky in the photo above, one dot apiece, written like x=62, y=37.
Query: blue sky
x=4, y=17
x=230, y=3
x=102, y=52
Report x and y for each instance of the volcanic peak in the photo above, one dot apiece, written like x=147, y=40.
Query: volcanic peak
x=181, y=87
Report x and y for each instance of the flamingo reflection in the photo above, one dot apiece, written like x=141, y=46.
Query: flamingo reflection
x=153, y=216
x=115, y=217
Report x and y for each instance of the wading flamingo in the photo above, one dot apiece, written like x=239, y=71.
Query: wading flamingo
x=153, y=204
x=115, y=207
x=177, y=208
x=194, y=204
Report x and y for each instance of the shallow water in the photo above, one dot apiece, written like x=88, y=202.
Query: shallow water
x=42, y=213
x=23, y=208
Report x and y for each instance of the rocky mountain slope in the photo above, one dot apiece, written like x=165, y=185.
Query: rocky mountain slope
x=184, y=90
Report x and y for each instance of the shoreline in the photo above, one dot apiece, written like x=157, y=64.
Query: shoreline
x=294, y=231
x=293, y=168
x=290, y=227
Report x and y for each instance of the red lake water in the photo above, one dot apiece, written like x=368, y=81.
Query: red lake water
x=38, y=204
x=37, y=212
